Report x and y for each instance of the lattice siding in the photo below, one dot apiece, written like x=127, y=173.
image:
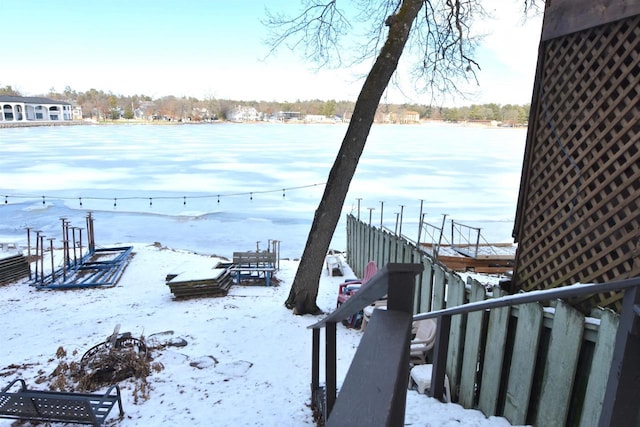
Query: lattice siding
x=578, y=214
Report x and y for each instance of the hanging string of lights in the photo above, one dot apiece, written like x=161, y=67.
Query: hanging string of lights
x=217, y=196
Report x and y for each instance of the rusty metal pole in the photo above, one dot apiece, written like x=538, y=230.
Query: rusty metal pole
x=66, y=237
x=395, y=231
x=80, y=243
x=65, y=248
x=29, y=250
x=91, y=243
x=64, y=225
x=53, y=275
x=73, y=240
x=444, y=219
x=37, y=251
x=42, y=259
x=420, y=224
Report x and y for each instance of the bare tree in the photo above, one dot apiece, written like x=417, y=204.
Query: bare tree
x=437, y=32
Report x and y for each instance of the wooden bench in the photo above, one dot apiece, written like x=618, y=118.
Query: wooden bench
x=52, y=406
x=254, y=265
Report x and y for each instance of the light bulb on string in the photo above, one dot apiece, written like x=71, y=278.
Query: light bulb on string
x=80, y=200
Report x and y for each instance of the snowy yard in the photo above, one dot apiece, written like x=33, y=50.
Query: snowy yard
x=246, y=363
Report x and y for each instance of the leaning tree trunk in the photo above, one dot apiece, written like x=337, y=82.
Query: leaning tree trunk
x=304, y=290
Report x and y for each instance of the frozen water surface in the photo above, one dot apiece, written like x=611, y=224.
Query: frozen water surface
x=218, y=188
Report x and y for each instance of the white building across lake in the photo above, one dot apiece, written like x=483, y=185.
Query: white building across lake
x=33, y=109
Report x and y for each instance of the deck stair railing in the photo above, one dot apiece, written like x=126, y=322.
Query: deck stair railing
x=620, y=405
x=375, y=387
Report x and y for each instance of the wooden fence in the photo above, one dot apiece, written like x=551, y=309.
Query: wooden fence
x=531, y=364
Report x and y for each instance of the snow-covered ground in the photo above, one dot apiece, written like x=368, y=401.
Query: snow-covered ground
x=247, y=361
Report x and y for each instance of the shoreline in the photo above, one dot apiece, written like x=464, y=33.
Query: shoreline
x=477, y=124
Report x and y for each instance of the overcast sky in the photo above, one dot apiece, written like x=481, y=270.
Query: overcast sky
x=215, y=48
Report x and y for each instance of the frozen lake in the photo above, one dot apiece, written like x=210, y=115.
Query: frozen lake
x=220, y=188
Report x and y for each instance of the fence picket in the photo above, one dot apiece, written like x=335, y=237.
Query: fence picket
x=455, y=296
x=494, y=357
x=600, y=365
x=523, y=363
x=439, y=288
x=426, y=286
x=560, y=368
x=472, y=337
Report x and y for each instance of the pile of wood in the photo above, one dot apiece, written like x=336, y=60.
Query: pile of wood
x=189, y=285
x=12, y=268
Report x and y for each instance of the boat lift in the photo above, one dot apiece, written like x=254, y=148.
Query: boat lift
x=101, y=267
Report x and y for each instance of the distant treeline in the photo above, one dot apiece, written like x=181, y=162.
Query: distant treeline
x=100, y=105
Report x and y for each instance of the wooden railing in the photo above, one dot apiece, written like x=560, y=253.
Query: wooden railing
x=375, y=387
x=531, y=363
x=618, y=400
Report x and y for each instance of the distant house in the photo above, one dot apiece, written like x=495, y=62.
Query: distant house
x=410, y=117
x=244, y=114
x=33, y=109
x=285, y=116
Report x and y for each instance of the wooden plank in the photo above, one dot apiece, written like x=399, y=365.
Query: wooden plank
x=439, y=288
x=366, y=399
x=380, y=248
x=560, y=368
x=360, y=261
x=393, y=250
x=408, y=253
x=600, y=366
x=375, y=242
x=455, y=297
x=366, y=246
x=494, y=357
x=426, y=286
x=563, y=17
x=469, y=374
x=523, y=363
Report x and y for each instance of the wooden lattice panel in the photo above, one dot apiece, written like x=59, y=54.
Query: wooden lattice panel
x=578, y=216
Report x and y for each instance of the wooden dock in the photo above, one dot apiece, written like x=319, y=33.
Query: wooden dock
x=488, y=258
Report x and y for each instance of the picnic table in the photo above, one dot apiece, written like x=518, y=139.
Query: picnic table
x=254, y=265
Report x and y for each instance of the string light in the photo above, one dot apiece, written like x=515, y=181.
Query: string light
x=218, y=196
